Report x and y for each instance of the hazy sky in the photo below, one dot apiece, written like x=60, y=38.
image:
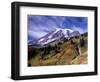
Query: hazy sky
x=39, y=26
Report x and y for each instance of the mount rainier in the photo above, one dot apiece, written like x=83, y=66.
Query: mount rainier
x=56, y=35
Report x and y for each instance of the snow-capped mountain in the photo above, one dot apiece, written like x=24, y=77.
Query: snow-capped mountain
x=56, y=35
x=74, y=33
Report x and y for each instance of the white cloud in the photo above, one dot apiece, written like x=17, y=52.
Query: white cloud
x=78, y=29
x=36, y=34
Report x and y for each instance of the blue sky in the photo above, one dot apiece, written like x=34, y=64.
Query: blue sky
x=39, y=26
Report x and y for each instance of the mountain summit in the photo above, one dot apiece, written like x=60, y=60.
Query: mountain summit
x=56, y=35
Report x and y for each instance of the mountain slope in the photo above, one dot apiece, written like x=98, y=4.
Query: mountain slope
x=67, y=54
